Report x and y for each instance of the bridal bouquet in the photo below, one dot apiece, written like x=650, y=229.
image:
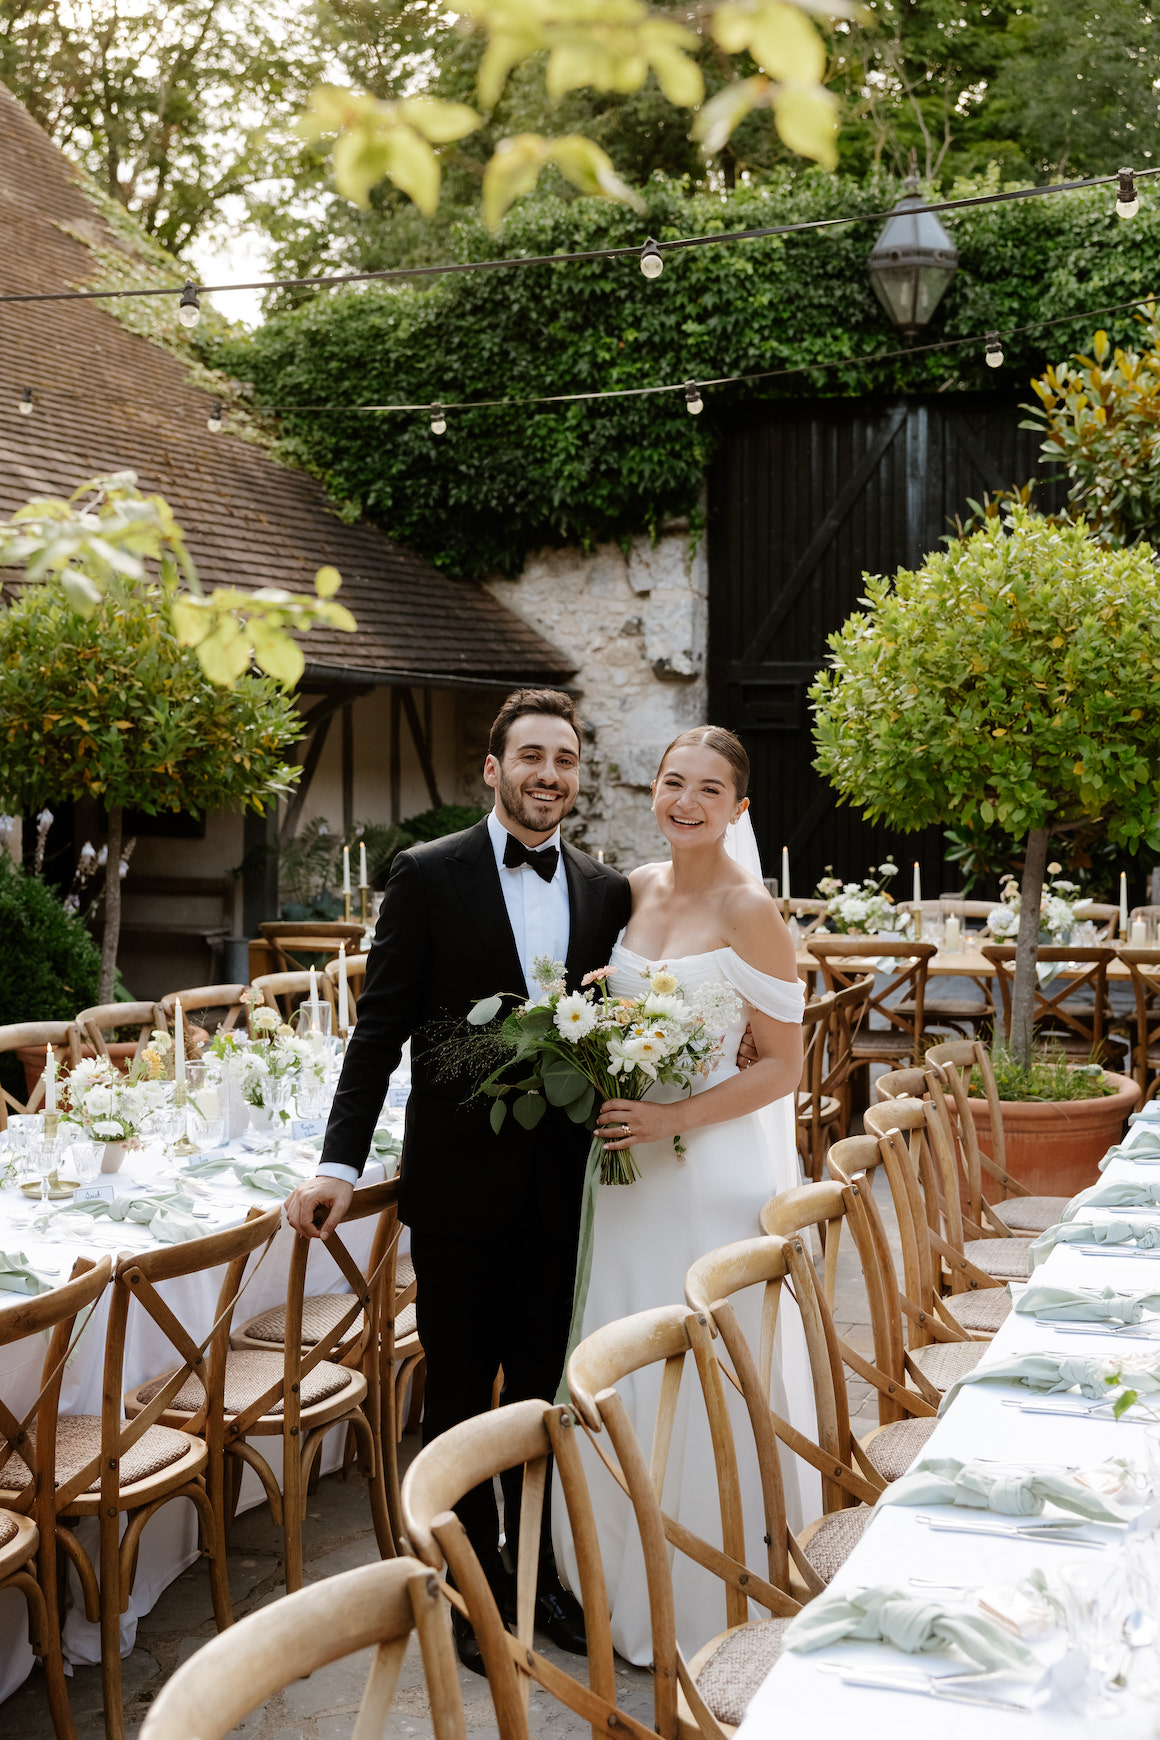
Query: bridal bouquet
x=578, y=1049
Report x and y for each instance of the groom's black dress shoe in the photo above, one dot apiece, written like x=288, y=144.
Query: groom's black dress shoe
x=466, y=1648
x=561, y=1616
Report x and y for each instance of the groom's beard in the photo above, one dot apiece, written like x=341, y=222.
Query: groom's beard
x=529, y=815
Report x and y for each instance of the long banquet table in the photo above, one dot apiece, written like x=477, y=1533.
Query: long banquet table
x=169, y=1540
x=999, y=1422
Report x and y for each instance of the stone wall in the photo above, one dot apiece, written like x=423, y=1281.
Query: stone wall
x=636, y=625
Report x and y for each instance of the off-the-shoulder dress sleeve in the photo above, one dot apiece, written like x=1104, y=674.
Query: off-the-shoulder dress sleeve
x=778, y=998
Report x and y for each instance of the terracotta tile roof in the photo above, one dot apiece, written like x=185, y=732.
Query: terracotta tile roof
x=108, y=400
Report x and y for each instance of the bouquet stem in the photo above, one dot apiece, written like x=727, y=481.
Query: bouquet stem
x=617, y=1167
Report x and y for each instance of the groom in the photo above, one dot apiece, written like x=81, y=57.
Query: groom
x=494, y=1219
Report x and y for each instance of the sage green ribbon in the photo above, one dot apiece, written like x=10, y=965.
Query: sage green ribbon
x=1144, y=1151
x=887, y=1615
x=1009, y=1491
x=583, y=1258
x=1114, y=1193
x=1144, y=1234
x=1070, y=1305
x=1056, y=1372
x=18, y=1276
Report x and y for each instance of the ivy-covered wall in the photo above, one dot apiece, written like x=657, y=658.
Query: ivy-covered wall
x=509, y=480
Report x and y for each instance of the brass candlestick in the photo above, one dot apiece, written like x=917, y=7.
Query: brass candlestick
x=346, y=906
x=918, y=924
x=364, y=900
x=51, y=1119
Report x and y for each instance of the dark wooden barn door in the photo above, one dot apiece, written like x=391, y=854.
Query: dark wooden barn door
x=804, y=499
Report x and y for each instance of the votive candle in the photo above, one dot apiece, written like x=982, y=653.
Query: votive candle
x=785, y=873
x=49, y=1079
x=343, y=1007
x=178, y=1047
x=1139, y=936
x=953, y=935
x=362, y=865
x=1124, y=902
x=346, y=869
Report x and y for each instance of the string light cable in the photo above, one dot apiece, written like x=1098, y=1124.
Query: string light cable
x=650, y=257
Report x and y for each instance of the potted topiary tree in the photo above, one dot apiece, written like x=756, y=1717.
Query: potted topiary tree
x=1012, y=679
x=99, y=698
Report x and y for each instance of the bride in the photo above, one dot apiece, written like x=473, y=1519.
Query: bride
x=712, y=924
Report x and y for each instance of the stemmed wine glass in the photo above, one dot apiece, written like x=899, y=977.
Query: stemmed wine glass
x=277, y=1092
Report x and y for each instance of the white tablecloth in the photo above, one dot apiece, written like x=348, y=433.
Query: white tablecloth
x=801, y=1697
x=169, y=1540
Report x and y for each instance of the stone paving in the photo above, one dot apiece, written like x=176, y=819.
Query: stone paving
x=338, y=1537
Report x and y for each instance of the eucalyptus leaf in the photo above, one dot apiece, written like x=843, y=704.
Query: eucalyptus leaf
x=580, y=1110
x=497, y=1115
x=562, y=1083
x=484, y=1011
x=528, y=1110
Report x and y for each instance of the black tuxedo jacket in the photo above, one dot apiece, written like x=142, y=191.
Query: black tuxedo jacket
x=443, y=941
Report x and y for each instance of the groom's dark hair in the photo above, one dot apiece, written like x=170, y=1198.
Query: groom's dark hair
x=522, y=701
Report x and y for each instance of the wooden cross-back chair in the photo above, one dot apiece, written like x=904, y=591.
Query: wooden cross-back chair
x=524, y=1435
x=907, y=1402
x=30, y=1467
x=356, y=973
x=1062, y=1017
x=995, y=1202
x=831, y=1023
x=1144, y=966
x=397, y=1354
x=104, y=1018
x=286, y=991
x=946, y=1296
x=844, y=959
x=975, y=1253
x=850, y=1482
x=202, y=1000
x=297, y=1392
x=23, y=1035
x=714, y=1685
x=377, y=1607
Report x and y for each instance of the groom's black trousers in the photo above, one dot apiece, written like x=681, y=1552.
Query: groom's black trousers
x=501, y=1299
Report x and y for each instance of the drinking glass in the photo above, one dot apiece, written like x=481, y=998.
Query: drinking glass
x=312, y=1020
x=277, y=1092
x=206, y=1108
x=84, y=1159
x=1096, y=1600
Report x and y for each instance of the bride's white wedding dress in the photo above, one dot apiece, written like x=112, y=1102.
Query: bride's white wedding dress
x=646, y=1236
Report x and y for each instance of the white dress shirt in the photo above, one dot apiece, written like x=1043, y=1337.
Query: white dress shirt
x=538, y=910
x=541, y=923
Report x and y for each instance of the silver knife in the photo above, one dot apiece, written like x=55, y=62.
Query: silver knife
x=932, y=1688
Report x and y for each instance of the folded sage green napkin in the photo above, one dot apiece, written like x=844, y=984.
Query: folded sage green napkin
x=385, y=1143
x=985, y=1486
x=887, y=1615
x=16, y=1276
x=1069, y=1305
x=1114, y=1193
x=274, y=1178
x=1144, y=1234
x=165, y=1213
x=1055, y=1372
x=1145, y=1150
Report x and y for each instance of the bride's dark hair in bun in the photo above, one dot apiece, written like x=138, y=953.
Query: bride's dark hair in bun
x=723, y=743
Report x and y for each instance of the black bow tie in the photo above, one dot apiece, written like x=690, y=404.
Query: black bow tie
x=542, y=862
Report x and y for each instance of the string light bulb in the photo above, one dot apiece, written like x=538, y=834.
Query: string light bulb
x=25, y=406
x=189, y=308
x=694, y=403
x=993, y=353
x=438, y=420
x=651, y=263
x=1127, y=200
x=214, y=421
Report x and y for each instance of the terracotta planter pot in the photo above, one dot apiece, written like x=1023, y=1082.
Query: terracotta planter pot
x=1054, y=1147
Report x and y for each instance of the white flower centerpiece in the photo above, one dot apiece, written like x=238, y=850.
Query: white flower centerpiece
x=863, y=908
x=110, y=1107
x=1060, y=910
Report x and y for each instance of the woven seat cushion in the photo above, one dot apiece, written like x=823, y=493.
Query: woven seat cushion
x=78, y=1438
x=984, y=1311
x=405, y=1323
x=835, y=1538
x=1005, y=1259
x=9, y=1528
x=1031, y=1213
x=249, y=1375
x=320, y=1312
x=404, y=1272
x=736, y=1668
x=944, y=1361
x=892, y=1450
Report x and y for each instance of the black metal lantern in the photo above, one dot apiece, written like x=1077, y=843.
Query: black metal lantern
x=913, y=262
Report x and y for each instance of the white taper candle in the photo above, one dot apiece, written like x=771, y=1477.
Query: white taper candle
x=1124, y=902
x=362, y=865
x=785, y=873
x=917, y=883
x=343, y=1006
x=346, y=869
x=178, y=1046
x=49, y=1079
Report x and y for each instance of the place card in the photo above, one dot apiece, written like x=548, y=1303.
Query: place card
x=306, y=1129
x=95, y=1193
